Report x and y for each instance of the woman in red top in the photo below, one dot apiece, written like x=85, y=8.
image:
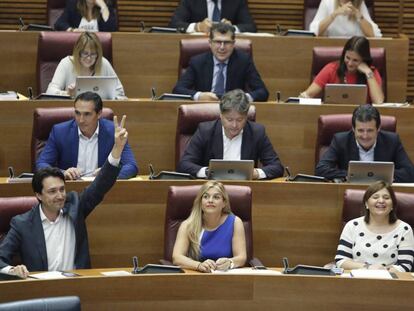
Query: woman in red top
x=354, y=67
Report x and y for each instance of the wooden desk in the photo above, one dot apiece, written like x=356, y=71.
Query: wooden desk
x=152, y=125
x=144, y=60
x=301, y=221
x=232, y=292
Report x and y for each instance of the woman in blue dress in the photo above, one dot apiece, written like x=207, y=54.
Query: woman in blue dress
x=211, y=238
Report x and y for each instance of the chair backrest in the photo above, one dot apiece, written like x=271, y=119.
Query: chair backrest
x=10, y=207
x=323, y=55
x=329, y=125
x=180, y=202
x=55, y=9
x=52, y=47
x=354, y=208
x=310, y=7
x=188, y=118
x=43, y=121
x=66, y=303
x=195, y=46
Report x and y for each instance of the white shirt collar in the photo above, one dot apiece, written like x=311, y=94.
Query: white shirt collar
x=95, y=134
x=43, y=217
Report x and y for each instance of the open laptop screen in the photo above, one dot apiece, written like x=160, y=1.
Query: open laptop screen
x=230, y=169
x=369, y=172
x=347, y=94
x=105, y=86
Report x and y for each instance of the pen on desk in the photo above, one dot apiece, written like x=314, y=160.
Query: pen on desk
x=86, y=173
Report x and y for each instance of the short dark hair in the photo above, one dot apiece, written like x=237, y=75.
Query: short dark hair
x=235, y=100
x=375, y=187
x=222, y=28
x=37, y=181
x=91, y=97
x=366, y=113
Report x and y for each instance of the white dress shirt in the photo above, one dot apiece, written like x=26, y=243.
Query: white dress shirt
x=91, y=25
x=231, y=151
x=210, y=9
x=366, y=155
x=88, y=153
x=60, y=241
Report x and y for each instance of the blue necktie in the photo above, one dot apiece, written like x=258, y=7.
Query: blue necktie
x=219, y=87
x=216, y=12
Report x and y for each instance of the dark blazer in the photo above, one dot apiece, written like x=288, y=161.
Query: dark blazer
x=241, y=74
x=207, y=143
x=343, y=148
x=71, y=18
x=26, y=236
x=194, y=11
x=62, y=148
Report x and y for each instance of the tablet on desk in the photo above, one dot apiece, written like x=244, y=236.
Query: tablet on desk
x=230, y=169
x=370, y=171
x=346, y=94
x=105, y=86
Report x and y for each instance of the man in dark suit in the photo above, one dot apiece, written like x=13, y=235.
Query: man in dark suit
x=209, y=75
x=199, y=15
x=80, y=146
x=232, y=137
x=365, y=142
x=52, y=235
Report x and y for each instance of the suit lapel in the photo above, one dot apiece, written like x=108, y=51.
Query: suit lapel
x=246, y=148
x=354, y=152
x=217, y=145
x=37, y=231
x=209, y=70
x=231, y=75
x=74, y=149
x=102, y=143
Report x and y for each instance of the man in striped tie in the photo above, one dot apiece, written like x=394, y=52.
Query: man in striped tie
x=222, y=69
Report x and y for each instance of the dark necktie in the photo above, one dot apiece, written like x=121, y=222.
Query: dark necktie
x=216, y=12
x=219, y=87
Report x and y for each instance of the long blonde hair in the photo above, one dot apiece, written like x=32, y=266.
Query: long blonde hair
x=355, y=3
x=195, y=220
x=91, y=40
x=83, y=9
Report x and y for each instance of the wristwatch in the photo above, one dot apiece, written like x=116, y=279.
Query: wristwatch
x=370, y=75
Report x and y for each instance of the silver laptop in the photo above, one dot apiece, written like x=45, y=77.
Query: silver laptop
x=348, y=94
x=369, y=172
x=230, y=169
x=104, y=86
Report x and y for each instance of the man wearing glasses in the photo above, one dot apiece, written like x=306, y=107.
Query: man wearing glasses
x=222, y=69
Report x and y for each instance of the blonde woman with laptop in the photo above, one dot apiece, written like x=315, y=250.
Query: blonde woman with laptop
x=212, y=237
x=378, y=240
x=354, y=67
x=86, y=60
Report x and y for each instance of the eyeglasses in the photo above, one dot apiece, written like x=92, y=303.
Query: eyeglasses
x=219, y=43
x=86, y=54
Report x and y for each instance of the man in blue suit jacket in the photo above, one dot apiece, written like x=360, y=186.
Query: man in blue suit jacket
x=52, y=235
x=80, y=146
x=197, y=15
x=232, y=137
x=201, y=79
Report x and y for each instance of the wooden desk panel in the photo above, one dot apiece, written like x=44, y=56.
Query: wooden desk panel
x=234, y=292
x=144, y=60
x=295, y=220
x=152, y=125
